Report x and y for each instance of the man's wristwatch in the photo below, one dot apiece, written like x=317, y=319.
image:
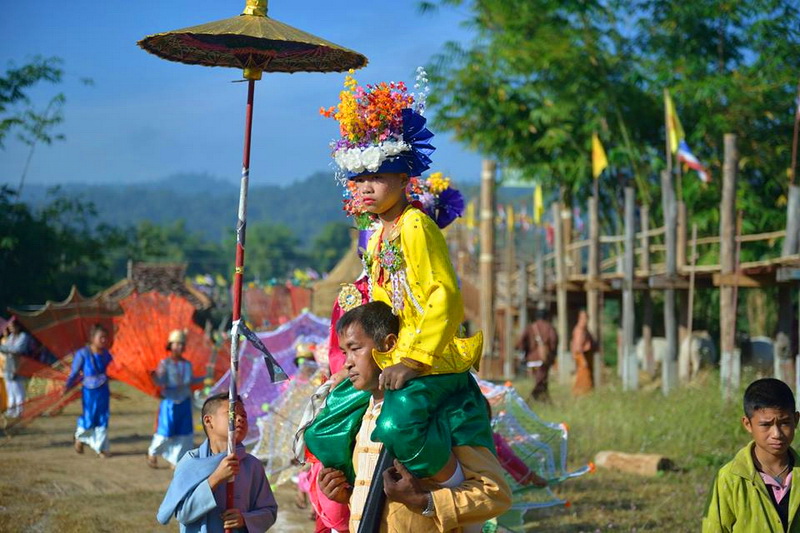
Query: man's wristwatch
x=430, y=510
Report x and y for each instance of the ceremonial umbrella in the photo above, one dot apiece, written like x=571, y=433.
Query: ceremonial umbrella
x=255, y=43
x=141, y=338
x=63, y=327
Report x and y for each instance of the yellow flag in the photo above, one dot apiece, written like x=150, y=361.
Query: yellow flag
x=538, y=205
x=471, y=215
x=510, y=218
x=674, y=129
x=599, y=159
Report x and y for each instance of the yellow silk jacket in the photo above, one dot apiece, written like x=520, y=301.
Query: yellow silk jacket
x=412, y=268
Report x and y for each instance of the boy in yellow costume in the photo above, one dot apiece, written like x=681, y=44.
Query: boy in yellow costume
x=384, y=146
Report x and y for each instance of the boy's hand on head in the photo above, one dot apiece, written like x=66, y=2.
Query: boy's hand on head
x=395, y=377
x=228, y=467
x=232, y=519
x=400, y=485
x=333, y=485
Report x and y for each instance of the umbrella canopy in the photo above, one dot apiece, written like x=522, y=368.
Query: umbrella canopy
x=253, y=42
x=63, y=327
x=142, y=338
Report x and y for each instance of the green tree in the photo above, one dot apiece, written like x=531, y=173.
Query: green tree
x=272, y=252
x=330, y=244
x=43, y=253
x=540, y=77
x=732, y=67
x=16, y=112
x=173, y=242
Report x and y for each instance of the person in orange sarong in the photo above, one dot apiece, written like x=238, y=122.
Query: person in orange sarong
x=583, y=348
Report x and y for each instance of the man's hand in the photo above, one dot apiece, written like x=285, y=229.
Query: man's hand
x=334, y=485
x=232, y=519
x=401, y=486
x=228, y=468
x=394, y=377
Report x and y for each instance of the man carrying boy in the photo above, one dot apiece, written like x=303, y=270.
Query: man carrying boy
x=196, y=496
x=758, y=490
x=413, y=505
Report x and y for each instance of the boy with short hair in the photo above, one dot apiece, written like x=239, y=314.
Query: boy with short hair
x=758, y=490
x=413, y=505
x=197, y=494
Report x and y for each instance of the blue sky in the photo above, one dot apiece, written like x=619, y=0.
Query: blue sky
x=145, y=118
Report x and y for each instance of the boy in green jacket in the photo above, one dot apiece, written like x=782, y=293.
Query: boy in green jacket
x=759, y=489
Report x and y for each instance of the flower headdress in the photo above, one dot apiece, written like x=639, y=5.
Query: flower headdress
x=382, y=129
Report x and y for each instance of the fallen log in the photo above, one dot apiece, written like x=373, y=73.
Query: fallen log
x=643, y=464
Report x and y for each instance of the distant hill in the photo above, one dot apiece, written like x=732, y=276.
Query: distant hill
x=209, y=205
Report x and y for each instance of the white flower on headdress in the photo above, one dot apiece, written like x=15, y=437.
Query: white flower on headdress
x=393, y=148
x=350, y=159
x=371, y=158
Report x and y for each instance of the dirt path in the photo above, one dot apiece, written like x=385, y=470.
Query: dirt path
x=46, y=487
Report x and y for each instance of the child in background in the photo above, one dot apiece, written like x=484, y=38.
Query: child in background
x=759, y=489
x=89, y=366
x=175, y=433
x=16, y=343
x=196, y=496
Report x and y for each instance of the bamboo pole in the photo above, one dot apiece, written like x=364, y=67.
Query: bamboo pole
x=630, y=377
x=565, y=362
x=593, y=294
x=238, y=277
x=647, y=299
x=486, y=259
x=668, y=365
x=727, y=266
x=684, y=369
x=508, y=329
x=782, y=355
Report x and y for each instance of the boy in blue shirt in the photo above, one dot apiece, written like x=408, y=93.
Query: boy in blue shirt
x=196, y=496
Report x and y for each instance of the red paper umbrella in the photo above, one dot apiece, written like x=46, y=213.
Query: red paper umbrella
x=141, y=339
x=63, y=327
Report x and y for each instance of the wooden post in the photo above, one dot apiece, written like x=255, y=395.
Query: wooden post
x=630, y=377
x=508, y=326
x=669, y=363
x=538, y=251
x=593, y=294
x=522, y=296
x=680, y=255
x=565, y=362
x=486, y=260
x=684, y=368
x=647, y=300
x=782, y=351
x=727, y=254
x=681, y=294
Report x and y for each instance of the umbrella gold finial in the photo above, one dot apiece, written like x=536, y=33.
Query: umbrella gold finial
x=257, y=8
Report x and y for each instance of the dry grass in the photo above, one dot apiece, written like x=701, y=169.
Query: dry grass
x=693, y=426
x=45, y=486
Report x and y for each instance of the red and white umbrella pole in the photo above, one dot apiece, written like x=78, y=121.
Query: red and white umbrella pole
x=241, y=229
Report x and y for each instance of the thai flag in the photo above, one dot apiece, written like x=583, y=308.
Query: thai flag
x=686, y=157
